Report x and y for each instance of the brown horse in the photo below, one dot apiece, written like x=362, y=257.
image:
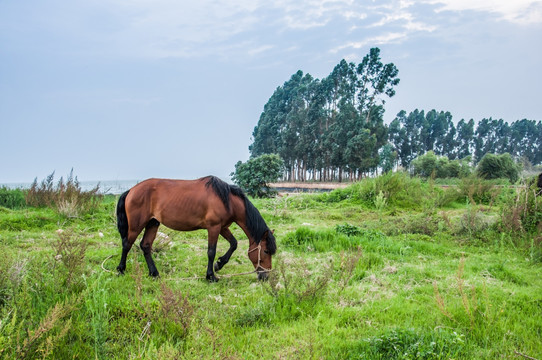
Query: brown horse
x=185, y=205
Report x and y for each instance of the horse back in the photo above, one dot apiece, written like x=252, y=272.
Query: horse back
x=178, y=204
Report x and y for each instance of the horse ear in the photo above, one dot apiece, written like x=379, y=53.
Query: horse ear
x=273, y=231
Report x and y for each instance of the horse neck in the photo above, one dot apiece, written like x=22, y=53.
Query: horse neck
x=239, y=212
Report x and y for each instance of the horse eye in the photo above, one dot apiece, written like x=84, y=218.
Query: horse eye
x=267, y=252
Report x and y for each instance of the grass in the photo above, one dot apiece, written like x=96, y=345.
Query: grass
x=353, y=279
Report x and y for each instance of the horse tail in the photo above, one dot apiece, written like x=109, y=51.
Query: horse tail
x=122, y=219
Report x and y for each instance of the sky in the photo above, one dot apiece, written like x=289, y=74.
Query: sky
x=133, y=89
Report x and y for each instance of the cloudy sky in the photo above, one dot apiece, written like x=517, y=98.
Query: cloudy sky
x=132, y=89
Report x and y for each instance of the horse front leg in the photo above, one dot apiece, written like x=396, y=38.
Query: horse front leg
x=223, y=260
x=212, y=239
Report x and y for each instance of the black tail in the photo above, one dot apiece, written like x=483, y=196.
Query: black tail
x=122, y=219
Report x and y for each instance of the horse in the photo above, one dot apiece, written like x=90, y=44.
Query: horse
x=187, y=205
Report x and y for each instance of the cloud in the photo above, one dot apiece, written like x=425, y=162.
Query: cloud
x=516, y=11
x=242, y=29
x=372, y=41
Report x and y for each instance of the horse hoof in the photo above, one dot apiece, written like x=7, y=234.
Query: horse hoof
x=216, y=267
x=120, y=270
x=212, y=278
x=154, y=274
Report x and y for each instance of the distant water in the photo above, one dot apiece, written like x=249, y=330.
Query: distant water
x=114, y=187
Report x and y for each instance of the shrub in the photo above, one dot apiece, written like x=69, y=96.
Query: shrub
x=389, y=189
x=12, y=198
x=493, y=166
x=431, y=165
x=255, y=175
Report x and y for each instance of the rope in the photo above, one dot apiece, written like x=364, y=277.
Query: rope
x=198, y=277
x=103, y=262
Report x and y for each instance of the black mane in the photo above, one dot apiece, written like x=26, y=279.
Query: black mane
x=255, y=223
x=221, y=189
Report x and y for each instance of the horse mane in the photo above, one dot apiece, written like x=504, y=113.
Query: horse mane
x=255, y=223
x=220, y=188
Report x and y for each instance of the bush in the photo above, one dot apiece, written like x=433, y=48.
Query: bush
x=12, y=198
x=255, y=175
x=390, y=189
x=431, y=165
x=493, y=166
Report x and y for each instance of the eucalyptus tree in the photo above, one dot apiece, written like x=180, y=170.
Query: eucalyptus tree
x=464, y=138
x=330, y=126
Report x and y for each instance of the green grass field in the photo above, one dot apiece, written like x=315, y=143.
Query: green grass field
x=353, y=279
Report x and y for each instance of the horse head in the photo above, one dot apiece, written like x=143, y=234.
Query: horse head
x=260, y=254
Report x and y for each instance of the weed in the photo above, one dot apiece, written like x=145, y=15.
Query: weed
x=423, y=223
x=380, y=201
x=476, y=312
x=175, y=313
x=412, y=344
x=343, y=238
x=70, y=252
x=47, y=335
x=478, y=190
x=348, y=230
x=161, y=243
x=296, y=282
x=472, y=222
x=347, y=267
x=523, y=213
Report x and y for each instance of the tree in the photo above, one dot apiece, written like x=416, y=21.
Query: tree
x=328, y=128
x=387, y=158
x=255, y=175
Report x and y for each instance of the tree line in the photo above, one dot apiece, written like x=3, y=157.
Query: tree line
x=333, y=128
x=418, y=132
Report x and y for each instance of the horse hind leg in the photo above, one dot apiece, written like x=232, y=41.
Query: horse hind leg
x=128, y=240
x=146, y=245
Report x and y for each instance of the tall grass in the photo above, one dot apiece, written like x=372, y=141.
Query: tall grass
x=66, y=197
